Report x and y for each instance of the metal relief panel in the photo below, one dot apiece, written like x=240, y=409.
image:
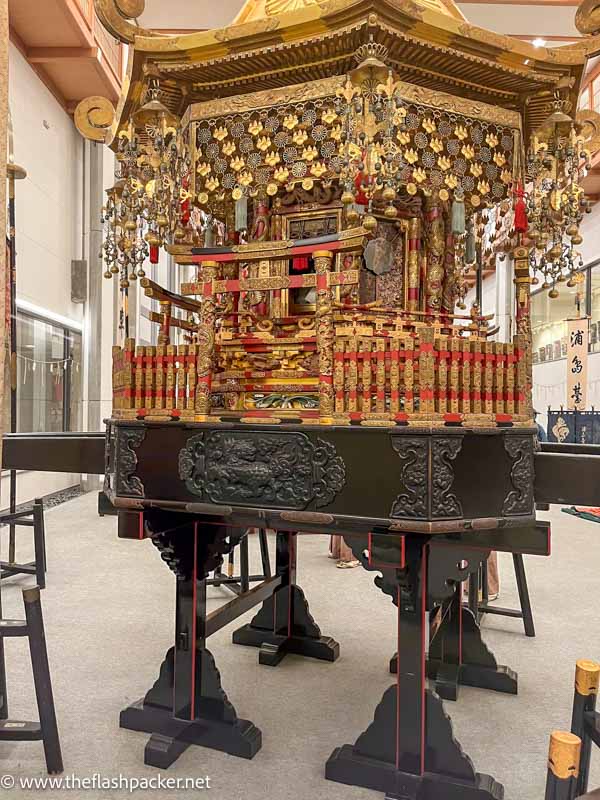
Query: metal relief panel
x=127, y=441
x=267, y=470
x=520, y=499
x=444, y=503
x=414, y=502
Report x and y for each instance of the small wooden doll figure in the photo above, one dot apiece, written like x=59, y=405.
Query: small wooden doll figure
x=260, y=232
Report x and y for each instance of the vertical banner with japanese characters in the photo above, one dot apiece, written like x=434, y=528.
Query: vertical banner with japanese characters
x=577, y=363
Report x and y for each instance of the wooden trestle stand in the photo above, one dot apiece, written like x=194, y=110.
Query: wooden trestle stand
x=422, y=560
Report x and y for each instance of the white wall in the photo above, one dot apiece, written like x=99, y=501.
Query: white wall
x=47, y=144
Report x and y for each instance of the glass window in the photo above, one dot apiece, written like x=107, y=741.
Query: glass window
x=595, y=311
x=48, y=376
x=549, y=319
x=596, y=94
x=584, y=100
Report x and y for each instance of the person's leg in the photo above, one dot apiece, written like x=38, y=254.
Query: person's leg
x=493, y=576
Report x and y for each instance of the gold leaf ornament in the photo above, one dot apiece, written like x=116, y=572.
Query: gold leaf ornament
x=460, y=132
x=246, y=178
x=476, y=169
x=336, y=133
x=451, y=181
x=411, y=156
x=281, y=174
x=263, y=143
x=468, y=151
x=310, y=153
x=444, y=163
x=318, y=170
x=255, y=127
x=290, y=122
x=483, y=187
x=499, y=159
x=428, y=125
x=220, y=133
x=403, y=137
x=300, y=137
x=419, y=175
x=212, y=183
x=329, y=116
x=204, y=169
x=228, y=148
x=436, y=145
x=237, y=164
x=491, y=140
x=273, y=158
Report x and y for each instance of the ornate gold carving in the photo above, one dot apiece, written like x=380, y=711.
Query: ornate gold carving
x=298, y=93
x=435, y=231
x=94, y=117
x=325, y=332
x=206, y=343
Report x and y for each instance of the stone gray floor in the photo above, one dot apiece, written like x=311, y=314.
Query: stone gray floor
x=109, y=619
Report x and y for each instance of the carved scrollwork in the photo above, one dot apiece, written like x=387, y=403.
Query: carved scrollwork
x=94, y=117
x=115, y=16
x=275, y=470
x=191, y=464
x=414, y=452
x=587, y=18
x=590, y=122
x=444, y=450
x=520, y=499
x=128, y=440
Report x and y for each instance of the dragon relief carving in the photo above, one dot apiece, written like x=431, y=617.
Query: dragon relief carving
x=520, y=499
x=275, y=470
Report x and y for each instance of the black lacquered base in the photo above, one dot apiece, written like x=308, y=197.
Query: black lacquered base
x=284, y=623
x=347, y=766
x=448, y=677
x=274, y=647
x=172, y=736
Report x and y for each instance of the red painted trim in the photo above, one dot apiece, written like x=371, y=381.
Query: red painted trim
x=424, y=564
x=194, y=623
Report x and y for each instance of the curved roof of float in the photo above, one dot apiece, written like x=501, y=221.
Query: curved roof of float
x=275, y=43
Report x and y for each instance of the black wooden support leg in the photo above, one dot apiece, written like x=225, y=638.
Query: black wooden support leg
x=563, y=763
x=284, y=623
x=3, y=687
x=409, y=751
x=524, y=594
x=264, y=552
x=39, y=543
x=458, y=655
x=587, y=679
x=41, y=679
x=187, y=704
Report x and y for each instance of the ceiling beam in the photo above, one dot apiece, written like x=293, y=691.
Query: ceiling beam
x=50, y=55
